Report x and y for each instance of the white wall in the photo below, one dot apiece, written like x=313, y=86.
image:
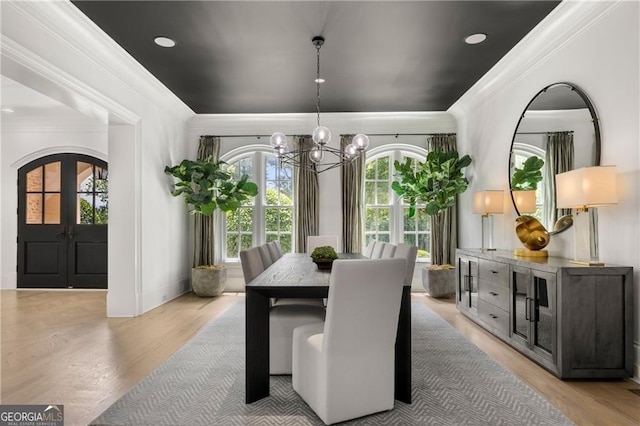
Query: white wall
x=594, y=45
x=54, y=49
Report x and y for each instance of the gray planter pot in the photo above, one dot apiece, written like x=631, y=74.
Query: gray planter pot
x=208, y=282
x=439, y=283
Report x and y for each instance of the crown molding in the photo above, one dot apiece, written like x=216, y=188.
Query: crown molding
x=66, y=24
x=376, y=122
x=566, y=22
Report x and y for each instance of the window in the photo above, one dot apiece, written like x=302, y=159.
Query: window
x=521, y=152
x=386, y=216
x=267, y=217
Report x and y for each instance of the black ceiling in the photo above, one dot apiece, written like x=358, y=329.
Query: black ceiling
x=257, y=57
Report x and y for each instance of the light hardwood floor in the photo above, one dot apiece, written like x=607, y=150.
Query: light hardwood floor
x=59, y=347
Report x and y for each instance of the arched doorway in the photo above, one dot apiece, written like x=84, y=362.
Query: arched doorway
x=62, y=222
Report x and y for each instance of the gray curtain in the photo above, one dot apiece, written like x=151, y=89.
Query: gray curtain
x=448, y=231
x=558, y=159
x=351, y=181
x=307, y=194
x=203, y=242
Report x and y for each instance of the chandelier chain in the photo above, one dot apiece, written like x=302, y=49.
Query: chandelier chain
x=318, y=46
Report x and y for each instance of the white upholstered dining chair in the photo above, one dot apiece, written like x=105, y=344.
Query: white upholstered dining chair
x=369, y=250
x=344, y=367
x=378, y=248
x=388, y=251
x=408, y=252
x=284, y=315
x=314, y=241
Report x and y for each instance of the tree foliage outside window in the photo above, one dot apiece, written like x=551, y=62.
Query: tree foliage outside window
x=276, y=208
x=386, y=218
x=94, y=201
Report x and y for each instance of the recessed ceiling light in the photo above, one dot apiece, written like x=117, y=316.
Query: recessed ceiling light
x=9, y=110
x=475, y=38
x=164, y=42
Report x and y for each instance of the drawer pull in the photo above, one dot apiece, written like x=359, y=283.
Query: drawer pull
x=494, y=272
x=493, y=293
x=493, y=316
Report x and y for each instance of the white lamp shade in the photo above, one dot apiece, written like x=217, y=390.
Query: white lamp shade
x=525, y=201
x=488, y=202
x=586, y=187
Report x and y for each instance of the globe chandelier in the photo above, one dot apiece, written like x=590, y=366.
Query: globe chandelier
x=322, y=156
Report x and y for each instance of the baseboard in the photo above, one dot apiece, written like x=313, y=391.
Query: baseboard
x=156, y=297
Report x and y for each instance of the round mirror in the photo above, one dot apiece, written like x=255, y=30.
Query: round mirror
x=558, y=131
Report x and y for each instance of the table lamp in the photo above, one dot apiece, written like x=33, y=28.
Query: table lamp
x=581, y=189
x=488, y=203
x=525, y=200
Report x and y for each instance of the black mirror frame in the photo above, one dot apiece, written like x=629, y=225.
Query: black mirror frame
x=594, y=119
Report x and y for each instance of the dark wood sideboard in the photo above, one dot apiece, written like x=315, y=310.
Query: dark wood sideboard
x=574, y=320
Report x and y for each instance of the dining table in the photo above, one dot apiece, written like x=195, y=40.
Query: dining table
x=295, y=275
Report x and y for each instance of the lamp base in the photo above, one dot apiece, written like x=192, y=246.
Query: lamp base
x=530, y=253
x=586, y=263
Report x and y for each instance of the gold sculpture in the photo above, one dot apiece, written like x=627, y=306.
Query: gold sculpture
x=533, y=236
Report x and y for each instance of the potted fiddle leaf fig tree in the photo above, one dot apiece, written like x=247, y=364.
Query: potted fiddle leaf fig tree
x=208, y=186
x=436, y=182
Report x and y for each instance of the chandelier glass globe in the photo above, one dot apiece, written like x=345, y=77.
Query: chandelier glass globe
x=321, y=135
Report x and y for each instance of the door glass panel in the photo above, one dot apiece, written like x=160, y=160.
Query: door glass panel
x=544, y=310
x=84, y=174
x=52, y=177
x=51, y=208
x=520, y=299
x=34, y=180
x=34, y=209
x=92, y=194
x=85, y=209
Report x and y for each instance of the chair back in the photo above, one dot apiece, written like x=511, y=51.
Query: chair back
x=409, y=253
x=252, y=265
x=265, y=256
x=369, y=250
x=388, y=251
x=378, y=248
x=274, y=251
x=314, y=241
x=363, y=308
x=278, y=249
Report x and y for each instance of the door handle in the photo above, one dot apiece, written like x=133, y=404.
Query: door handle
x=526, y=309
x=62, y=233
x=532, y=310
x=71, y=233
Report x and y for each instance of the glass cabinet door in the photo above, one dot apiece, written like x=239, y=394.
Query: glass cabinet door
x=544, y=322
x=473, y=284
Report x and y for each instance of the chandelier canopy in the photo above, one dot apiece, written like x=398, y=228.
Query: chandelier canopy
x=321, y=137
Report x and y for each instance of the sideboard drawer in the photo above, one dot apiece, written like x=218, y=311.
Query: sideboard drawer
x=495, y=272
x=496, y=318
x=495, y=294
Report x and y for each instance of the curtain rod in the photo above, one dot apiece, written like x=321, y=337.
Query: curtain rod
x=543, y=133
x=345, y=134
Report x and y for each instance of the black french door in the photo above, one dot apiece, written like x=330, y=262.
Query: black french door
x=62, y=222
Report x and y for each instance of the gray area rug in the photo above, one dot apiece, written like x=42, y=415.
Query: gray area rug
x=454, y=383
